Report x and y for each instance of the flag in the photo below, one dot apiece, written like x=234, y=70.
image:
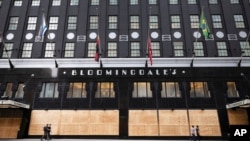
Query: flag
x=43, y=26
x=150, y=52
x=97, y=54
x=204, y=26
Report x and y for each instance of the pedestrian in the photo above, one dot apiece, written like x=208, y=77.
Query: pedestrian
x=46, y=132
x=197, y=129
x=44, y=136
x=49, y=130
x=192, y=131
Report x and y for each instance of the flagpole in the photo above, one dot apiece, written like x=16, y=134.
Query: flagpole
x=98, y=42
x=149, y=50
x=196, y=38
x=198, y=30
x=97, y=13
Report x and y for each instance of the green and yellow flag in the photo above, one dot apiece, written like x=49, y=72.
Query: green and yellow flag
x=204, y=26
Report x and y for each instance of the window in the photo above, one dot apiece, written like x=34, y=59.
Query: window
x=77, y=90
x=198, y=49
x=134, y=22
x=7, y=50
x=156, y=49
x=94, y=2
x=35, y=3
x=49, y=50
x=18, y=3
x=13, y=23
x=105, y=90
x=8, y=90
x=245, y=47
x=74, y=2
x=173, y=1
x=192, y=2
x=199, y=89
x=134, y=2
x=178, y=48
x=232, y=90
x=222, y=49
x=152, y=1
x=217, y=21
x=112, y=49
x=113, y=2
x=20, y=92
x=27, y=50
x=93, y=22
x=49, y=90
x=194, y=19
x=170, y=89
x=175, y=22
x=69, y=50
x=72, y=22
x=91, y=49
x=53, y=23
x=239, y=21
x=112, y=22
x=234, y=1
x=135, y=49
x=56, y=2
x=142, y=90
x=32, y=23
x=153, y=22
x=213, y=1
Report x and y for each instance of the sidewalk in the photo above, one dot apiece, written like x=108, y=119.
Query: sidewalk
x=37, y=139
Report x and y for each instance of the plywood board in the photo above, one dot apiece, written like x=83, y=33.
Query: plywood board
x=238, y=117
x=75, y=122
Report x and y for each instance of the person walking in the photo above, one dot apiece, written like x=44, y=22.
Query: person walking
x=192, y=131
x=49, y=130
x=45, y=132
x=197, y=130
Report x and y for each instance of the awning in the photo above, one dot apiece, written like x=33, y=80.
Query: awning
x=13, y=104
x=240, y=104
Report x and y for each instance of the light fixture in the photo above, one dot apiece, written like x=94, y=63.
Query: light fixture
x=192, y=61
x=31, y=76
x=56, y=64
x=241, y=56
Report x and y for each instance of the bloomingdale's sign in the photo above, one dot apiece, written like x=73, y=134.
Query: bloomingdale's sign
x=125, y=72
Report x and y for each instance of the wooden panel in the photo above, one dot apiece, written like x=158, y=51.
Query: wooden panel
x=173, y=123
x=75, y=122
x=207, y=120
x=9, y=127
x=39, y=118
x=238, y=117
x=143, y=123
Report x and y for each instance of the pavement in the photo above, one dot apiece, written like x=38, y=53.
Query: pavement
x=38, y=139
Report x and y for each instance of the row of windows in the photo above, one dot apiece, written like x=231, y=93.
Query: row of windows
x=114, y=2
x=140, y=90
x=135, y=49
x=134, y=22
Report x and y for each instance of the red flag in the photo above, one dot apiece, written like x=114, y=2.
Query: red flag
x=97, y=54
x=150, y=52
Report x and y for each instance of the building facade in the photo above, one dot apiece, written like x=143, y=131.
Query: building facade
x=124, y=68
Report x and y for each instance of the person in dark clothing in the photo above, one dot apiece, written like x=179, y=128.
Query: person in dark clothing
x=49, y=130
x=197, y=130
x=46, y=132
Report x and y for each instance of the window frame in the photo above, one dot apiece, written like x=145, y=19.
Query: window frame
x=199, y=90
